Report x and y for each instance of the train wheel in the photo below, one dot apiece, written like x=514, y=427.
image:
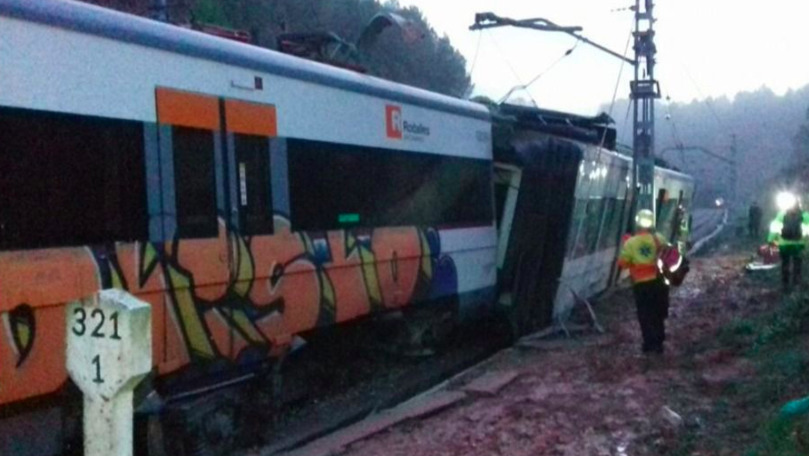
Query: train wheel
x=204, y=427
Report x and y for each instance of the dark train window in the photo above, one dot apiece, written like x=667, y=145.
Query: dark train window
x=253, y=177
x=194, y=182
x=592, y=225
x=588, y=212
x=613, y=215
x=334, y=186
x=70, y=180
x=576, y=229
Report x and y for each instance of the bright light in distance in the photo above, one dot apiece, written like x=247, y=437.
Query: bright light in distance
x=785, y=200
x=719, y=202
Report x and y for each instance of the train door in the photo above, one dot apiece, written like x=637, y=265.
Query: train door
x=202, y=138
x=249, y=130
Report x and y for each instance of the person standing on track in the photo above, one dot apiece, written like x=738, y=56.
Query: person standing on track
x=754, y=220
x=639, y=255
x=788, y=231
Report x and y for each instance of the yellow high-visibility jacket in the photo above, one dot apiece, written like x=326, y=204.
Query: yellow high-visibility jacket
x=788, y=244
x=639, y=255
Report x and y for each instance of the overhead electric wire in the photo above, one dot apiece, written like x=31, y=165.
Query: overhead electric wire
x=505, y=59
x=708, y=102
x=620, y=72
x=536, y=78
x=603, y=140
x=475, y=58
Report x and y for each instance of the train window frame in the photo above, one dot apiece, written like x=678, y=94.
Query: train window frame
x=421, y=189
x=202, y=221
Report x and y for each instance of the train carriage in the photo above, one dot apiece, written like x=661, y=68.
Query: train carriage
x=246, y=195
x=563, y=201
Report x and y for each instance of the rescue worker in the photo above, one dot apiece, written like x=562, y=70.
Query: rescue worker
x=639, y=255
x=754, y=220
x=788, y=231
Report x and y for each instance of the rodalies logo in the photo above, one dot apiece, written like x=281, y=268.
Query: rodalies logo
x=399, y=128
x=393, y=117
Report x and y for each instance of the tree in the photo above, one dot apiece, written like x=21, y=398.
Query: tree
x=210, y=12
x=800, y=143
x=765, y=125
x=414, y=55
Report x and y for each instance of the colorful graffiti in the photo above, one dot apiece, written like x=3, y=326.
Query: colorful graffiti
x=233, y=297
x=20, y=325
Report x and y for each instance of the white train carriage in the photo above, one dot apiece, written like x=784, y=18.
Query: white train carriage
x=246, y=195
x=563, y=203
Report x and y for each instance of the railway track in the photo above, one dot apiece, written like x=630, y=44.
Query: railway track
x=705, y=222
x=344, y=377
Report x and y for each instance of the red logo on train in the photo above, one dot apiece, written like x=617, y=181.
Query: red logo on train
x=393, y=120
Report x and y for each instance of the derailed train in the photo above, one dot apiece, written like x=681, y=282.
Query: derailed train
x=250, y=197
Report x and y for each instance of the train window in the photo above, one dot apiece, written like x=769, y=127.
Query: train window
x=70, y=180
x=253, y=174
x=666, y=215
x=576, y=226
x=592, y=225
x=333, y=186
x=613, y=214
x=194, y=182
x=662, y=197
x=589, y=213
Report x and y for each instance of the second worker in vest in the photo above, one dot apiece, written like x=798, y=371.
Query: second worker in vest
x=639, y=255
x=788, y=231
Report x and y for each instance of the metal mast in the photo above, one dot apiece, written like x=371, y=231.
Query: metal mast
x=644, y=90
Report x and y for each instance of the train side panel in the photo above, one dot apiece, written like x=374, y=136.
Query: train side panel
x=221, y=292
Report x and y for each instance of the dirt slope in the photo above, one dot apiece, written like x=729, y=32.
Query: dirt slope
x=598, y=396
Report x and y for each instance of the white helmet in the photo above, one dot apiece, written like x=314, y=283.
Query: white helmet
x=645, y=218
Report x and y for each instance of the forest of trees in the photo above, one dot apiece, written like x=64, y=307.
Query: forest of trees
x=417, y=56
x=771, y=141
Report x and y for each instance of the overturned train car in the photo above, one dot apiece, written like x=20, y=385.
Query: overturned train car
x=563, y=202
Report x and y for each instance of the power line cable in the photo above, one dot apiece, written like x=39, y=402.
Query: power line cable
x=475, y=59
x=591, y=178
x=536, y=78
x=620, y=74
x=708, y=102
x=505, y=58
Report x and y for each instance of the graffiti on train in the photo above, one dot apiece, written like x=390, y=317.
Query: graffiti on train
x=232, y=297
x=20, y=325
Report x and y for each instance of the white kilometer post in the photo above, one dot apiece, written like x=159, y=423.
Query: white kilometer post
x=109, y=350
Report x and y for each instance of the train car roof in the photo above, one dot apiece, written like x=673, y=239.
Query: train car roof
x=592, y=130
x=118, y=26
x=580, y=130
x=674, y=173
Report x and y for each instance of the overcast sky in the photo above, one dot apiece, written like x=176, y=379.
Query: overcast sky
x=705, y=47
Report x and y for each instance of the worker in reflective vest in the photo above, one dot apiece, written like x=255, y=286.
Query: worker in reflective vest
x=788, y=231
x=639, y=255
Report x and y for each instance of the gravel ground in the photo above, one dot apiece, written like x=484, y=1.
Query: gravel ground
x=602, y=397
